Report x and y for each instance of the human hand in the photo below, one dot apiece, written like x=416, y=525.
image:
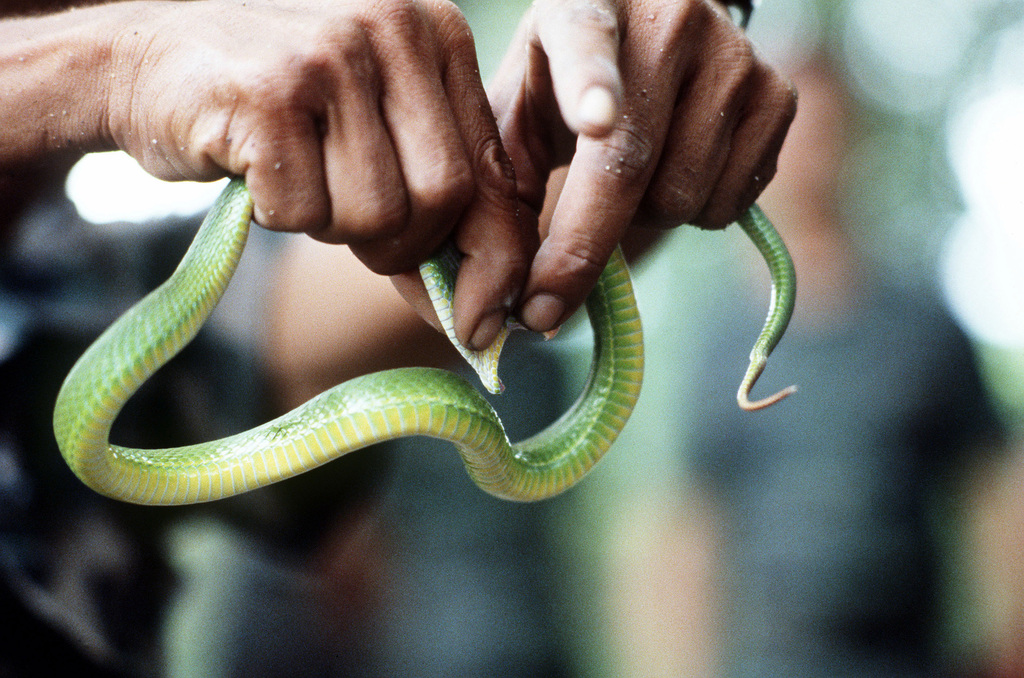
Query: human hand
x=664, y=114
x=356, y=121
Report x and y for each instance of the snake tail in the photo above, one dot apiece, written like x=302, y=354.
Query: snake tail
x=780, y=309
x=352, y=415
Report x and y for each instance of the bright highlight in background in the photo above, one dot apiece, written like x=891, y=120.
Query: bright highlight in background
x=982, y=273
x=112, y=188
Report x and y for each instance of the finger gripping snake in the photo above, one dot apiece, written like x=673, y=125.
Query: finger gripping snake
x=359, y=412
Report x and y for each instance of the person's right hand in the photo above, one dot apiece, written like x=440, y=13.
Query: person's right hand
x=361, y=122
x=356, y=121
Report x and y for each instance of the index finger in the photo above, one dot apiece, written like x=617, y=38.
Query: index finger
x=605, y=183
x=598, y=73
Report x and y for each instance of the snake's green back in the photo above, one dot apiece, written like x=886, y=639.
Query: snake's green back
x=357, y=413
x=367, y=410
x=142, y=340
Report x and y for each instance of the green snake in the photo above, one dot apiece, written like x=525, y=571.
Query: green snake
x=365, y=410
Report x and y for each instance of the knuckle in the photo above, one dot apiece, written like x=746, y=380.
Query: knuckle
x=389, y=256
x=447, y=189
x=402, y=15
x=628, y=154
x=399, y=22
x=387, y=221
x=755, y=184
x=448, y=10
x=581, y=259
x=267, y=90
x=289, y=216
x=684, y=22
x=374, y=220
x=494, y=167
x=595, y=20
x=210, y=140
x=670, y=202
x=452, y=23
x=375, y=257
x=304, y=218
x=717, y=217
x=338, y=52
x=739, y=70
x=258, y=151
x=688, y=23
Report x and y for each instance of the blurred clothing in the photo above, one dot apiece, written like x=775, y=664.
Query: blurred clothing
x=389, y=561
x=830, y=556
x=83, y=577
x=473, y=581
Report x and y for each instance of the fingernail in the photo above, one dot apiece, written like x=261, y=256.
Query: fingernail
x=487, y=331
x=597, y=107
x=542, y=312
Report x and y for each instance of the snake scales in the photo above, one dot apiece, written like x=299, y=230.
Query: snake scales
x=366, y=410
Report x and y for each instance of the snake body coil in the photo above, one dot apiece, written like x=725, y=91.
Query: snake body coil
x=360, y=412
x=357, y=413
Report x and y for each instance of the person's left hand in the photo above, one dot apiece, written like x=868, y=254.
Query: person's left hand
x=663, y=112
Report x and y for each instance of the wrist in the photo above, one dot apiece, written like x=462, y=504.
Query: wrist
x=55, y=77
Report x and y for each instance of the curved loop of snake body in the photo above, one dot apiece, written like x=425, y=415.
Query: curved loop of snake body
x=366, y=410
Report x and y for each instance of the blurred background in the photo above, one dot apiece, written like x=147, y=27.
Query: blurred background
x=871, y=525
